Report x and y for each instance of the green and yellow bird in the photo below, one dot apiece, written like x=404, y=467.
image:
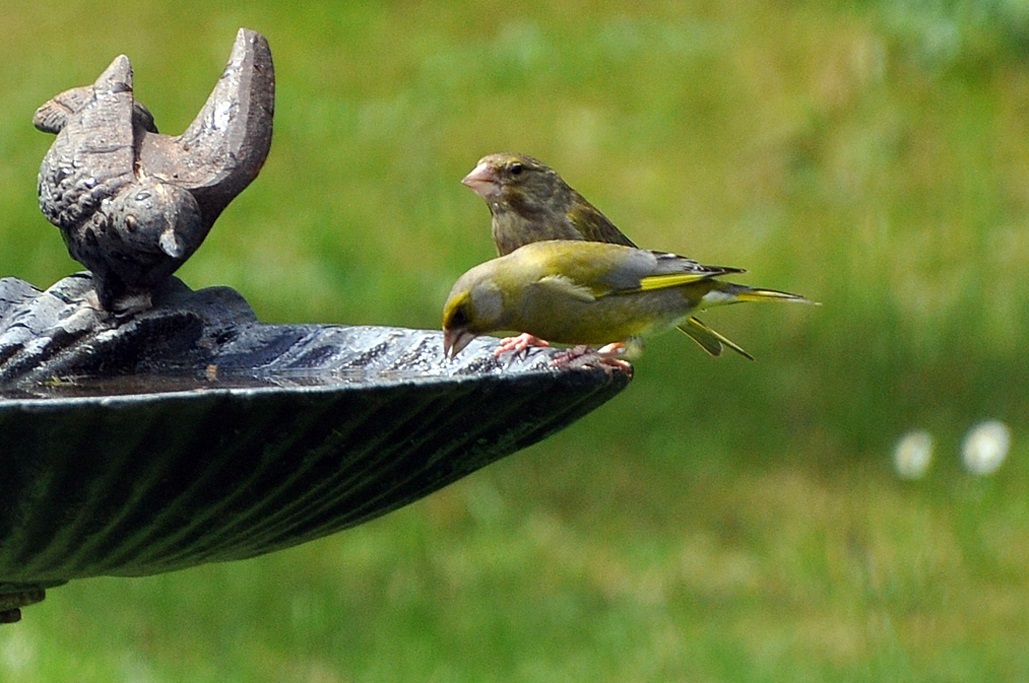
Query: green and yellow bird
x=591, y=293
x=529, y=202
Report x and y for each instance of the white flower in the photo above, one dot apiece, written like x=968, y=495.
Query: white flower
x=985, y=447
x=913, y=454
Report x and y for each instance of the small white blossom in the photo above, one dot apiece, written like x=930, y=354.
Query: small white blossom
x=913, y=454
x=985, y=447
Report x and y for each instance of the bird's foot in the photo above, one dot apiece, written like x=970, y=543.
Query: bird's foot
x=83, y=313
x=518, y=344
x=606, y=358
x=129, y=305
x=613, y=350
x=92, y=299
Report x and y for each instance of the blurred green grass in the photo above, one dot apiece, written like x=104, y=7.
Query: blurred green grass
x=720, y=520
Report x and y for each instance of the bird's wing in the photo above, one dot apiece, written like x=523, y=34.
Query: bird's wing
x=667, y=280
x=592, y=272
x=671, y=264
x=594, y=226
x=568, y=287
x=670, y=270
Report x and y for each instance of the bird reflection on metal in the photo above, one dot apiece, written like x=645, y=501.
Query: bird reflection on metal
x=133, y=204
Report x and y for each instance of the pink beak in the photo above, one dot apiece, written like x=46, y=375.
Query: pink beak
x=455, y=340
x=483, y=180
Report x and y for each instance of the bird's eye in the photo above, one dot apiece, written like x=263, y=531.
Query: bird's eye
x=459, y=318
x=516, y=168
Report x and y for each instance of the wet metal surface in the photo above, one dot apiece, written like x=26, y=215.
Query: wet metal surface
x=193, y=433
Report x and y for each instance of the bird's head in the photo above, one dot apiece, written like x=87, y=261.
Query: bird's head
x=158, y=217
x=512, y=178
x=474, y=307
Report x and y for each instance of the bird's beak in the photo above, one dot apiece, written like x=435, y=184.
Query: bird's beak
x=483, y=180
x=170, y=243
x=454, y=340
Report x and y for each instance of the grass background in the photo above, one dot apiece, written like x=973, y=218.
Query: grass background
x=718, y=521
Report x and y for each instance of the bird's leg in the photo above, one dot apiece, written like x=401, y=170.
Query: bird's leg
x=518, y=344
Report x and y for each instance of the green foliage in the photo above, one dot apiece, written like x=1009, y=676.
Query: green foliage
x=953, y=33
x=720, y=520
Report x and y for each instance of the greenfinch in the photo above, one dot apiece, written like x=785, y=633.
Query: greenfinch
x=587, y=293
x=530, y=202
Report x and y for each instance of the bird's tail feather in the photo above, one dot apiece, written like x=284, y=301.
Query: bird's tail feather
x=730, y=293
x=708, y=339
x=743, y=293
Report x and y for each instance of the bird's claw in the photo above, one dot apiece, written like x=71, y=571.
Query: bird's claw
x=520, y=344
x=613, y=350
x=605, y=358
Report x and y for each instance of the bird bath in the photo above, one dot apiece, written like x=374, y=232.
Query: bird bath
x=188, y=431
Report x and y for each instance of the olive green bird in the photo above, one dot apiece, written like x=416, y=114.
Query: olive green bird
x=592, y=293
x=530, y=202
